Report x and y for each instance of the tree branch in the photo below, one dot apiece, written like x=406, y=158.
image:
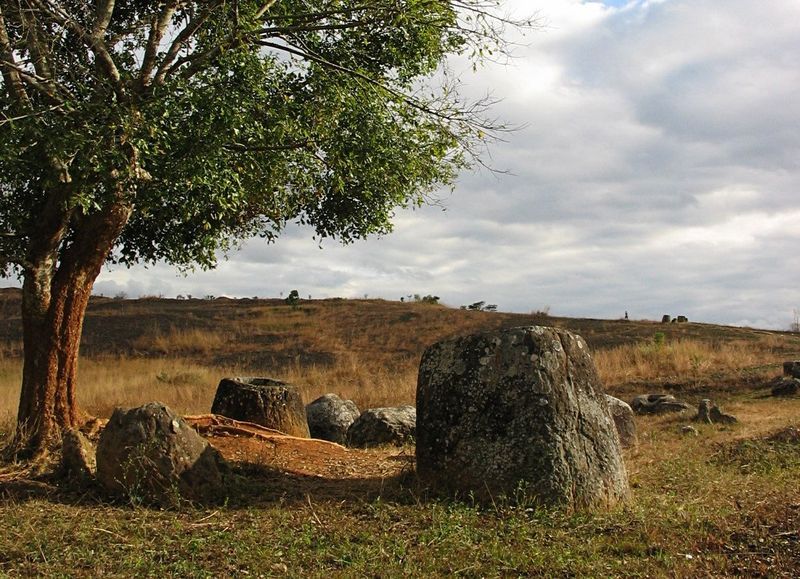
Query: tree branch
x=184, y=36
x=157, y=31
x=96, y=45
x=11, y=74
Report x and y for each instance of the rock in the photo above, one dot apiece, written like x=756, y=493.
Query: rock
x=666, y=318
x=517, y=410
x=329, y=417
x=783, y=386
x=378, y=426
x=263, y=401
x=704, y=411
x=622, y=414
x=792, y=368
x=151, y=455
x=689, y=430
x=719, y=417
x=710, y=413
x=657, y=404
x=682, y=319
x=78, y=456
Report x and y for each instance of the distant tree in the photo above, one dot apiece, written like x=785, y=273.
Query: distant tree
x=490, y=308
x=477, y=306
x=293, y=298
x=167, y=131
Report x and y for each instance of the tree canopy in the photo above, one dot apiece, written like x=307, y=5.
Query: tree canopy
x=133, y=130
x=222, y=120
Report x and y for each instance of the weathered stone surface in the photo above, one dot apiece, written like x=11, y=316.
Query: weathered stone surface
x=329, y=417
x=704, y=411
x=263, y=401
x=624, y=421
x=657, y=404
x=78, y=460
x=149, y=454
x=520, y=408
x=376, y=426
x=792, y=368
x=783, y=386
x=689, y=430
x=719, y=417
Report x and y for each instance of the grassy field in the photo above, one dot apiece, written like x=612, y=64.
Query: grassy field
x=724, y=503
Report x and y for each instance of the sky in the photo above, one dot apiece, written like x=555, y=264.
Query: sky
x=656, y=172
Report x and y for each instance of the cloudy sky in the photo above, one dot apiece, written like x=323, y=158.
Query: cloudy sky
x=657, y=172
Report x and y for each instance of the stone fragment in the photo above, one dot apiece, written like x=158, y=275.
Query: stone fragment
x=624, y=421
x=704, y=411
x=376, y=426
x=783, y=386
x=151, y=455
x=329, y=417
x=78, y=456
x=792, y=368
x=719, y=417
x=263, y=401
x=689, y=430
x=658, y=404
x=518, y=410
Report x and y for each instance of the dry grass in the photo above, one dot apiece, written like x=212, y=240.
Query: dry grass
x=687, y=359
x=181, y=341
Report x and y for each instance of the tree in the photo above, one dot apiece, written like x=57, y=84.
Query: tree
x=138, y=131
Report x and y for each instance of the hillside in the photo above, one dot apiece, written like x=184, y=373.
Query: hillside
x=368, y=350
x=721, y=503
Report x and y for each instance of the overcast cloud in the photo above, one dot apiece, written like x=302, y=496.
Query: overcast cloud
x=657, y=172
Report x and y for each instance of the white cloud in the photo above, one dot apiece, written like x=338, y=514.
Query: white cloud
x=658, y=173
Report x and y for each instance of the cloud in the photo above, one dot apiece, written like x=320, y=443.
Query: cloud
x=657, y=172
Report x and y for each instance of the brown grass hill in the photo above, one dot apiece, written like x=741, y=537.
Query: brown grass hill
x=367, y=350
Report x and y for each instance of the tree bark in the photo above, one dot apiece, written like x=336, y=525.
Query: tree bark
x=55, y=297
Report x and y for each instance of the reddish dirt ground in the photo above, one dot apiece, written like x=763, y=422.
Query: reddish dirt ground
x=297, y=466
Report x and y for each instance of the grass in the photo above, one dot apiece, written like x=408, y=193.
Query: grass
x=724, y=503
x=694, y=512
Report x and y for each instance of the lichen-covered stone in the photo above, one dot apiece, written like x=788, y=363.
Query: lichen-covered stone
x=710, y=413
x=329, y=417
x=150, y=454
x=376, y=426
x=792, y=368
x=78, y=456
x=624, y=421
x=517, y=409
x=785, y=386
x=704, y=411
x=658, y=404
x=263, y=401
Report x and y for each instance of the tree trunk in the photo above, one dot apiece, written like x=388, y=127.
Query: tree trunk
x=55, y=297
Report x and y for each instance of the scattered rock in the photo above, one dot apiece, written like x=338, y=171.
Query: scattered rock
x=329, y=417
x=789, y=434
x=378, y=426
x=263, y=401
x=792, y=368
x=704, y=411
x=78, y=456
x=658, y=404
x=622, y=414
x=783, y=386
x=719, y=417
x=519, y=409
x=666, y=318
x=682, y=319
x=689, y=430
x=151, y=455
